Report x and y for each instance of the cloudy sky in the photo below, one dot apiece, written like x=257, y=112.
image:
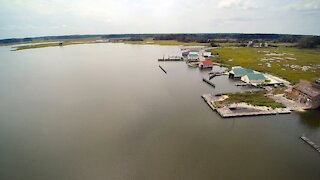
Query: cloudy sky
x=29, y=18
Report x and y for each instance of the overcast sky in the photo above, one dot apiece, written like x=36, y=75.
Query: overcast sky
x=29, y=18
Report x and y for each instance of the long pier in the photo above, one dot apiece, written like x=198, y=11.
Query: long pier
x=312, y=144
x=162, y=69
x=208, y=82
x=171, y=58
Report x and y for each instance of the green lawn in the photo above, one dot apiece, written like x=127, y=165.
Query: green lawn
x=256, y=98
x=286, y=57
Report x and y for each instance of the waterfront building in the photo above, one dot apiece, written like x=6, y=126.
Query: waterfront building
x=306, y=93
x=206, y=54
x=193, y=56
x=206, y=64
x=238, y=72
x=256, y=78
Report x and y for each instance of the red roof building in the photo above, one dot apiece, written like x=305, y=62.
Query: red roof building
x=206, y=64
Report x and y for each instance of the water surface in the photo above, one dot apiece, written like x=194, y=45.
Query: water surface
x=106, y=111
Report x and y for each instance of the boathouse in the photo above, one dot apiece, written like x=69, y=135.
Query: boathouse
x=238, y=72
x=306, y=93
x=206, y=64
x=256, y=78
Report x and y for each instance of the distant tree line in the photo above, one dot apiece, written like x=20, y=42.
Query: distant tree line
x=309, y=42
x=213, y=39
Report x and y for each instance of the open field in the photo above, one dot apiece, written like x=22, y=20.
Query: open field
x=292, y=64
x=256, y=98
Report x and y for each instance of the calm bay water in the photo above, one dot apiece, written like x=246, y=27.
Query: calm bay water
x=106, y=111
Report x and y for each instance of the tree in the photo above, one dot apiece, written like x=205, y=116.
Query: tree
x=309, y=42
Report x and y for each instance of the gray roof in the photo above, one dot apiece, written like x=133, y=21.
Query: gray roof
x=307, y=88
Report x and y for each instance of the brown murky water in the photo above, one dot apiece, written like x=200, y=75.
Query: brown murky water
x=106, y=111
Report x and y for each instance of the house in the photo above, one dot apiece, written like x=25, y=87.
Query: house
x=306, y=93
x=193, y=56
x=206, y=64
x=256, y=78
x=185, y=53
x=238, y=72
x=257, y=45
x=206, y=54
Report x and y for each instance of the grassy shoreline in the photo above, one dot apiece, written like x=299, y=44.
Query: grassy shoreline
x=284, y=62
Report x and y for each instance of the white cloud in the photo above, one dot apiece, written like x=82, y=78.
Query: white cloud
x=21, y=18
x=305, y=5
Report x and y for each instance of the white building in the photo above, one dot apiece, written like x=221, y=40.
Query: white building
x=193, y=56
x=206, y=54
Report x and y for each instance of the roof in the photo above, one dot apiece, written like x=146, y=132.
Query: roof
x=256, y=76
x=307, y=88
x=206, y=62
x=241, y=71
x=195, y=55
x=194, y=50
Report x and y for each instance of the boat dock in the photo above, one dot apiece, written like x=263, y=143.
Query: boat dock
x=243, y=84
x=312, y=144
x=171, y=58
x=239, y=110
x=208, y=98
x=214, y=74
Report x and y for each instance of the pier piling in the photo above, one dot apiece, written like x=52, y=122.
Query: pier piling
x=162, y=69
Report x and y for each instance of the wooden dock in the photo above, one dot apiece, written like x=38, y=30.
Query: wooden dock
x=208, y=82
x=243, y=84
x=171, y=58
x=226, y=112
x=208, y=98
x=311, y=143
x=162, y=69
x=214, y=74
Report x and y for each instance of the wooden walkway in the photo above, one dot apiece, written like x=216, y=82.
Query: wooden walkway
x=312, y=144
